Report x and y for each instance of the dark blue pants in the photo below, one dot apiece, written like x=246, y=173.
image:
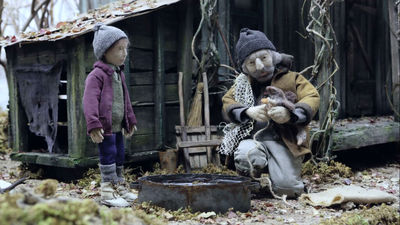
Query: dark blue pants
x=111, y=150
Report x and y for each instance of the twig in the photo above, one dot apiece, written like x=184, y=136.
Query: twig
x=229, y=67
x=225, y=42
x=34, y=13
x=12, y=186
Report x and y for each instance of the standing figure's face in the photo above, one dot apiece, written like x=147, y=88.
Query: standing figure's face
x=259, y=65
x=117, y=53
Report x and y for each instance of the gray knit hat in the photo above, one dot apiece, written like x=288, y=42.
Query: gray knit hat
x=249, y=42
x=104, y=38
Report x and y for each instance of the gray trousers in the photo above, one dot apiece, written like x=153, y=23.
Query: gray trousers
x=284, y=169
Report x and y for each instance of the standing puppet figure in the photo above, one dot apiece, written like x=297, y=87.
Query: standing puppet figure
x=274, y=149
x=108, y=112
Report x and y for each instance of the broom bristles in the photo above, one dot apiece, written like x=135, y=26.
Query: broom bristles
x=195, y=118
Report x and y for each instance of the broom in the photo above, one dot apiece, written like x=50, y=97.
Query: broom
x=195, y=118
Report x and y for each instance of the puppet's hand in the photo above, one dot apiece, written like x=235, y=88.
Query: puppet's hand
x=258, y=113
x=279, y=114
x=129, y=134
x=97, y=135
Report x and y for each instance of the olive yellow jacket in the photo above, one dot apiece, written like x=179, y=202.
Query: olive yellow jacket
x=307, y=99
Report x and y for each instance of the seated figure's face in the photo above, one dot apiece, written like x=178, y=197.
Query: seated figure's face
x=117, y=53
x=259, y=65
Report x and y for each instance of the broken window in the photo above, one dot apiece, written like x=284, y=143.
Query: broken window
x=39, y=89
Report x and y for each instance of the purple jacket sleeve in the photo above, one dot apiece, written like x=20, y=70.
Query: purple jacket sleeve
x=91, y=100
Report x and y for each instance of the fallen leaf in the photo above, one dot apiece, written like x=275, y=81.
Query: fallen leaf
x=60, y=24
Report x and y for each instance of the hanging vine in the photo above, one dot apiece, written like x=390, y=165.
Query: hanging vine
x=209, y=60
x=321, y=32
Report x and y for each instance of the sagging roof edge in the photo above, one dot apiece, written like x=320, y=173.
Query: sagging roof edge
x=159, y=4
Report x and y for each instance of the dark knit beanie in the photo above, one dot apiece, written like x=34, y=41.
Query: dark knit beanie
x=104, y=38
x=249, y=42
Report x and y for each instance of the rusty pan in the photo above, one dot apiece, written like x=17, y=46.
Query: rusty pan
x=200, y=192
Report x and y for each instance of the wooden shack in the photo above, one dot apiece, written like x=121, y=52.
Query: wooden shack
x=57, y=63
x=160, y=34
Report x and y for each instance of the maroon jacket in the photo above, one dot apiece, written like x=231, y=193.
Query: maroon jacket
x=97, y=100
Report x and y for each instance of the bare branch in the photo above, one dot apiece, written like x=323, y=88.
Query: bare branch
x=4, y=65
x=1, y=16
x=34, y=13
x=44, y=22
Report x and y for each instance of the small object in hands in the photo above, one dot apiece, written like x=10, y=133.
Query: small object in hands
x=97, y=135
x=277, y=97
x=264, y=100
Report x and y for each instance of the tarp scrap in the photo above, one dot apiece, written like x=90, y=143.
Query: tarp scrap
x=342, y=194
x=38, y=89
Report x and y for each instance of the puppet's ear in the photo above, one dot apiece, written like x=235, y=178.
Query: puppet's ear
x=276, y=57
x=286, y=60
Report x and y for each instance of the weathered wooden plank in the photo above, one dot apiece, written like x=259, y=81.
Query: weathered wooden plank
x=190, y=144
x=186, y=158
x=143, y=60
x=184, y=58
x=199, y=130
x=145, y=93
x=78, y=143
x=127, y=66
x=207, y=115
x=140, y=143
x=57, y=160
x=146, y=43
x=146, y=78
x=395, y=59
x=363, y=132
x=364, y=135
x=60, y=160
x=18, y=121
x=145, y=118
x=379, y=55
x=224, y=18
x=339, y=25
x=159, y=99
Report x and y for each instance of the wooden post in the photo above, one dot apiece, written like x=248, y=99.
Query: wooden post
x=324, y=91
x=78, y=142
x=395, y=27
x=339, y=25
x=159, y=76
x=19, y=130
x=207, y=115
x=184, y=49
x=224, y=20
x=183, y=126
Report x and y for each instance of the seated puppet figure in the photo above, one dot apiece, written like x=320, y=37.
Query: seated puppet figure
x=275, y=149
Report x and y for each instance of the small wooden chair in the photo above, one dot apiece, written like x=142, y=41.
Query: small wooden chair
x=198, y=143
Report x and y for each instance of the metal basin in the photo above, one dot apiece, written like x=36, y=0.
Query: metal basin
x=200, y=192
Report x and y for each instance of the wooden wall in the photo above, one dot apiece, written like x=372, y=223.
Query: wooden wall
x=143, y=67
x=364, y=68
x=48, y=53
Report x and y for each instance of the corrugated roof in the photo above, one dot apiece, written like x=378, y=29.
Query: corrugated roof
x=84, y=23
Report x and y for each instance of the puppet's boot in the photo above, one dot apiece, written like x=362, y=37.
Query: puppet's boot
x=109, y=195
x=122, y=187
